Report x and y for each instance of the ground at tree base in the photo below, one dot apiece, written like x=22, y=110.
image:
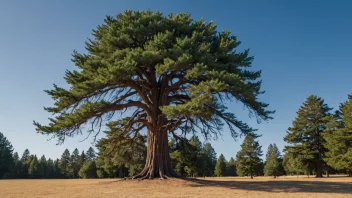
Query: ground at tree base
x=259, y=187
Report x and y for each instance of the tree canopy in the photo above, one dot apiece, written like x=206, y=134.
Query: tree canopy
x=6, y=160
x=164, y=74
x=306, y=135
x=248, y=158
x=338, y=138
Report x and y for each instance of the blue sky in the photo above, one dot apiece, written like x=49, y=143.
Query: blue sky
x=302, y=48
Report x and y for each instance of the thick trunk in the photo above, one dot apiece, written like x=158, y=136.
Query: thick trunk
x=158, y=162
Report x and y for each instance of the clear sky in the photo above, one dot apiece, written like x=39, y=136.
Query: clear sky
x=302, y=48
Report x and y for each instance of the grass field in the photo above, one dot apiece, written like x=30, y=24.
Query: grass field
x=335, y=186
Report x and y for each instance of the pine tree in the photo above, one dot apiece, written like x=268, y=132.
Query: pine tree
x=25, y=159
x=57, y=169
x=90, y=154
x=338, y=137
x=82, y=159
x=248, y=160
x=306, y=135
x=17, y=168
x=231, y=168
x=74, y=163
x=186, y=156
x=50, y=169
x=127, y=154
x=65, y=164
x=42, y=166
x=88, y=170
x=25, y=155
x=194, y=165
x=293, y=164
x=220, y=167
x=272, y=164
x=6, y=158
x=33, y=168
x=172, y=72
x=208, y=160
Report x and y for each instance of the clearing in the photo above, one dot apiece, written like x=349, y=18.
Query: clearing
x=288, y=186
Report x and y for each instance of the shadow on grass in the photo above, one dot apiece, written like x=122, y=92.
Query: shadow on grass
x=278, y=186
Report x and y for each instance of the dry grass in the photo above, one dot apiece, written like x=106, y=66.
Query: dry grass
x=262, y=187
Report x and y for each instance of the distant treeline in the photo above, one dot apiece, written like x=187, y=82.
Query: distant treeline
x=319, y=142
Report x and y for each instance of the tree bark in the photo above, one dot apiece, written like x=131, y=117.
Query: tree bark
x=158, y=162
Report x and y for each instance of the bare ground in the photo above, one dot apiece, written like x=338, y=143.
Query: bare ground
x=335, y=186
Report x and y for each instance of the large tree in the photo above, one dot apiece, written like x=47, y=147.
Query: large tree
x=6, y=158
x=163, y=74
x=338, y=137
x=248, y=160
x=306, y=135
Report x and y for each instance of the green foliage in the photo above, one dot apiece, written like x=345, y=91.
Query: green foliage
x=248, y=160
x=220, y=167
x=33, y=170
x=306, y=135
x=293, y=164
x=169, y=73
x=273, y=162
x=64, y=164
x=208, y=160
x=74, y=163
x=6, y=158
x=117, y=151
x=187, y=156
x=90, y=155
x=82, y=159
x=42, y=167
x=101, y=173
x=338, y=137
x=88, y=170
x=231, y=168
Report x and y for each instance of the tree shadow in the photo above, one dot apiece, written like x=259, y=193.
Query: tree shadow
x=278, y=185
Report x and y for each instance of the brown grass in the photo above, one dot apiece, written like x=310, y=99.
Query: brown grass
x=262, y=187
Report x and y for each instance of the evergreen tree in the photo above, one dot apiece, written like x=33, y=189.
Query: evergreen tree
x=194, y=165
x=17, y=168
x=208, y=160
x=125, y=157
x=220, y=168
x=248, y=160
x=306, y=135
x=231, y=168
x=186, y=156
x=272, y=164
x=25, y=156
x=90, y=155
x=25, y=159
x=338, y=138
x=57, y=169
x=293, y=164
x=172, y=72
x=82, y=159
x=65, y=164
x=6, y=158
x=74, y=163
x=42, y=166
x=50, y=169
x=88, y=170
x=33, y=168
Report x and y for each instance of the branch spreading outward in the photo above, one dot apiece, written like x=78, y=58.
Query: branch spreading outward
x=160, y=72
